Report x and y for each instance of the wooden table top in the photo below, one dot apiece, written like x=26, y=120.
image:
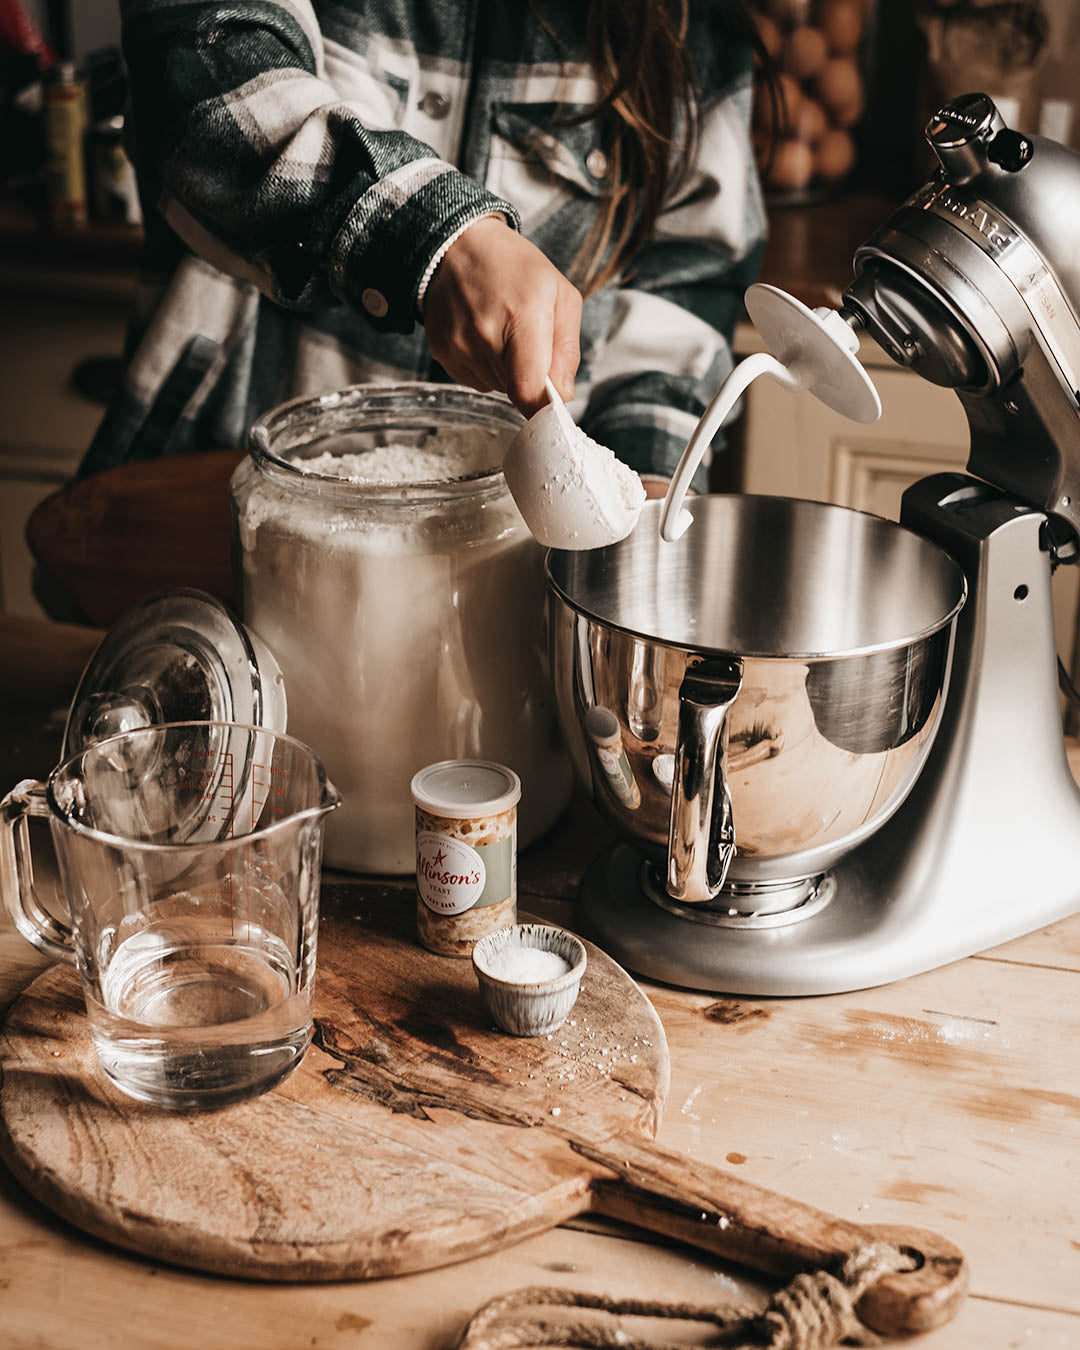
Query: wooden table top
x=949, y=1101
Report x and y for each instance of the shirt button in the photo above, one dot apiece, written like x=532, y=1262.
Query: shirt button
x=435, y=105
x=375, y=302
x=596, y=163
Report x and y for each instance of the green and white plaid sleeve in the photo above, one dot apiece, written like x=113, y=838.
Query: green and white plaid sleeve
x=265, y=170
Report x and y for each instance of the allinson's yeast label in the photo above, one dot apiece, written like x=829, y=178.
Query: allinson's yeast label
x=466, y=853
x=451, y=876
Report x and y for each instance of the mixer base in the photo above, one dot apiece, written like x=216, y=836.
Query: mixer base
x=695, y=947
x=870, y=932
x=746, y=906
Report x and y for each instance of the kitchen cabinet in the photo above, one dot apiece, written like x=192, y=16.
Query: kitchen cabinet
x=794, y=446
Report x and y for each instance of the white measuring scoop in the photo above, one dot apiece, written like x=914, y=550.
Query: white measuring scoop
x=572, y=492
x=811, y=349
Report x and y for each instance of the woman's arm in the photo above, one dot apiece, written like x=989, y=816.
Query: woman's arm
x=263, y=169
x=499, y=315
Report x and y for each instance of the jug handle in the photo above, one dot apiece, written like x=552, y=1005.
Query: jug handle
x=29, y=916
x=701, y=836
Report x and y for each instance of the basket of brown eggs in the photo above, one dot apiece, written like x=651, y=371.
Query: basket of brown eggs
x=805, y=120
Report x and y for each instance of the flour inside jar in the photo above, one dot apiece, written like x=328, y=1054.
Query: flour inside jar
x=446, y=455
x=390, y=573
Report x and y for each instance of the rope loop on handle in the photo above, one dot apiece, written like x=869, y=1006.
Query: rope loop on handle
x=815, y=1311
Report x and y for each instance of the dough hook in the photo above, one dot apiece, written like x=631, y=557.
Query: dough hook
x=811, y=349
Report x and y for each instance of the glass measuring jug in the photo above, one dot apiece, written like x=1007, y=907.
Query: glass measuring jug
x=190, y=857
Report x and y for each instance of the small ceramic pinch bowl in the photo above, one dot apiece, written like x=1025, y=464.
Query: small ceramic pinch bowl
x=521, y=1005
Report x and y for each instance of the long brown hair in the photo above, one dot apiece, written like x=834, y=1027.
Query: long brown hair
x=648, y=109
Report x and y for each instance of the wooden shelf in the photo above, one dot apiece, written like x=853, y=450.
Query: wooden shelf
x=91, y=262
x=25, y=233
x=810, y=248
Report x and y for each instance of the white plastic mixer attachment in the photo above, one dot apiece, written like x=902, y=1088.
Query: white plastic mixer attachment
x=811, y=349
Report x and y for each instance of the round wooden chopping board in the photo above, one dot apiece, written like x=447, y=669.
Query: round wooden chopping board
x=413, y=1133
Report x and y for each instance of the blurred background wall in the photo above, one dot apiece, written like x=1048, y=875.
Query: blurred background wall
x=88, y=24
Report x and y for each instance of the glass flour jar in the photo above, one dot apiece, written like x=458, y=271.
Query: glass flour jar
x=381, y=558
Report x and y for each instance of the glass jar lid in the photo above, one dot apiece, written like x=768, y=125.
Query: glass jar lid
x=181, y=656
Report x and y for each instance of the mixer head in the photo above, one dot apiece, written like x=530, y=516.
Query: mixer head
x=974, y=284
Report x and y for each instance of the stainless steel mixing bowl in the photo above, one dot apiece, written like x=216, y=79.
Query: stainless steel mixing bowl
x=752, y=701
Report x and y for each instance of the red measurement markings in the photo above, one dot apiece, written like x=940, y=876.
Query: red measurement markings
x=268, y=793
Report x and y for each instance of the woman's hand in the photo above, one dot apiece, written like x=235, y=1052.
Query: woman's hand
x=499, y=315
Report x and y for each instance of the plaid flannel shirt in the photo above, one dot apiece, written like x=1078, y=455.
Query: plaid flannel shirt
x=303, y=163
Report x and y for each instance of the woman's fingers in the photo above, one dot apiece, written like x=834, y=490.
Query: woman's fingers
x=566, y=340
x=526, y=355
x=498, y=311
x=465, y=369
x=545, y=343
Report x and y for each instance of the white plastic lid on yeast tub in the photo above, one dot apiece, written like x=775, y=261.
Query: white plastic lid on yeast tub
x=460, y=788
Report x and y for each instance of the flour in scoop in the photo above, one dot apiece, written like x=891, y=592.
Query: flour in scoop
x=573, y=492
x=526, y=965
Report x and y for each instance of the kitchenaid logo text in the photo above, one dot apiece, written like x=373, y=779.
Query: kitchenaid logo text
x=450, y=875
x=973, y=212
x=949, y=115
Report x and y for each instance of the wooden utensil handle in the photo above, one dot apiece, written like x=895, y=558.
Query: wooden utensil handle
x=665, y=1192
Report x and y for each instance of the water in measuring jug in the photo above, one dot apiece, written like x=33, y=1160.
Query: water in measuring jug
x=190, y=860
x=199, y=1008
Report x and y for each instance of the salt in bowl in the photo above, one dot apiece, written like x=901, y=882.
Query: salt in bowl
x=516, y=991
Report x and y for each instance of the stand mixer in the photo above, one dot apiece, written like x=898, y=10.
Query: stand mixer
x=971, y=284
